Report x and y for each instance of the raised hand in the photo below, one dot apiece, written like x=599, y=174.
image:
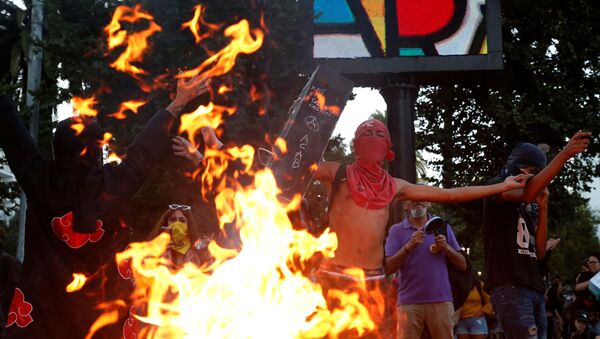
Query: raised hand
x=416, y=239
x=188, y=90
x=578, y=143
x=183, y=148
x=440, y=242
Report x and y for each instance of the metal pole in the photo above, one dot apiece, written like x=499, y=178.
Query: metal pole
x=400, y=99
x=34, y=74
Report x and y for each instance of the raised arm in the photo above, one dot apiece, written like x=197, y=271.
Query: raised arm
x=578, y=143
x=23, y=156
x=541, y=232
x=406, y=190
x=150, y=145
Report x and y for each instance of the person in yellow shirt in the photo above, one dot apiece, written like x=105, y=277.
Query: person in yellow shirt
x=472, y=323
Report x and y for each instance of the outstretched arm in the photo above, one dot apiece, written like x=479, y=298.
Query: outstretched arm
x=150, y=145
x=578, y=143
x=22, y=154
x=406, y=190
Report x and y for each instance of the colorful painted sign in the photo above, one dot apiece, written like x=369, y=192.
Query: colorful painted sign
x=398, y=28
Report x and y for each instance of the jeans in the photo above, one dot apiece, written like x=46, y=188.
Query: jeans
x=473, y=326
x=522, y=312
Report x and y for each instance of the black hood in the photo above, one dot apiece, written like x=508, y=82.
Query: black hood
x=77, y=146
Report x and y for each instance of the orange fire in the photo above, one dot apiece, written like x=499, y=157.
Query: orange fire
x=79, y=280
x=78, y=128
x=113, y=157
x=262, y=290
x=320, y=101
x=242, y=41
x=136, y=43
x=224, y=89
x=209, y=115
x=83, y=106
x=197, y=22
x=258, y=292
x=132, y=105
x=281, y=145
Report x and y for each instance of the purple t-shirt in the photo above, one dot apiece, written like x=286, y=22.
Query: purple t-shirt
x=424, y=277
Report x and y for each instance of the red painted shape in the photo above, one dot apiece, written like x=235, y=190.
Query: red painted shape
x=423, y=17
x=63, y=229
x=20, y=310
x=131, y=327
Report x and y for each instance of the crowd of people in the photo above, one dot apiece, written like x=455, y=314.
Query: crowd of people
x=74, y=204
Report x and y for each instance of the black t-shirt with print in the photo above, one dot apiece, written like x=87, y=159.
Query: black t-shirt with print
x=509, y=231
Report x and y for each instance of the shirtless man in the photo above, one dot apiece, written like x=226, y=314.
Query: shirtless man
x=360, y=208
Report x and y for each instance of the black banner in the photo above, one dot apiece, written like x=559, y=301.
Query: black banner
x=305, y=135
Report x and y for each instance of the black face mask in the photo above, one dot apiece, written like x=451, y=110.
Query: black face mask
x=78, y=156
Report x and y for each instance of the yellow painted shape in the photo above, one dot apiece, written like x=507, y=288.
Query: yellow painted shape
x=484, y=49
x=374, y=7
x=376, y=11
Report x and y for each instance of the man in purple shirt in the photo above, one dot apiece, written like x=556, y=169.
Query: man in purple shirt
x=424, y=293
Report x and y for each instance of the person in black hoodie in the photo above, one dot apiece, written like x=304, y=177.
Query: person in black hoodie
x=515, y=238
x=72, y=223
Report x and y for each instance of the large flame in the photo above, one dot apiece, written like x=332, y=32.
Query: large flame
x=261, y=291
x=242, y=41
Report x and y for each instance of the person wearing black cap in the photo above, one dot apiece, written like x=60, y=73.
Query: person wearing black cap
x=72, y=223
x=515, y=236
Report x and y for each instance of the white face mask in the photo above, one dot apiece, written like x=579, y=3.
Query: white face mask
x=418, y=212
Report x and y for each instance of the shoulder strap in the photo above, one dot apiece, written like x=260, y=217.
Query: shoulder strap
x=340, y=175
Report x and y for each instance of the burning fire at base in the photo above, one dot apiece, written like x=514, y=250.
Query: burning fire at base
x=263, y=290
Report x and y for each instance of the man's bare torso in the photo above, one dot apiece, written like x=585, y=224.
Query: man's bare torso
x=360, y=231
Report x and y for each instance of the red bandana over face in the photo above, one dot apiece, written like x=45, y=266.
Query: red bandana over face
x=371, y=186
